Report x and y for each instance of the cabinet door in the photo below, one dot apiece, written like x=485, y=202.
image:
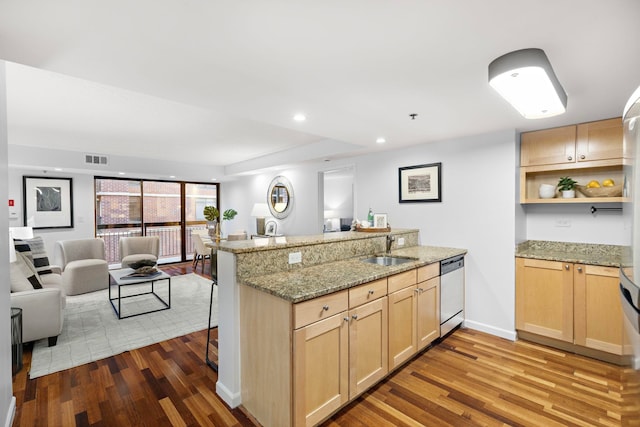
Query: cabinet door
x=599, y=140
x=544, y=298
x=368, y=345
x=428, y=312
x=402, y=326
x=599, y=322
x=320, y=365
x=549, y=146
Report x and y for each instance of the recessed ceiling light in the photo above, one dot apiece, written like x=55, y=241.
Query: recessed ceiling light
x=57, y=169
x=299, y=117
x=381, y=140
x=172, y=176
x=120, y=173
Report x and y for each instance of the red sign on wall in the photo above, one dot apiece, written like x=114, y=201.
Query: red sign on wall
x=11, y=203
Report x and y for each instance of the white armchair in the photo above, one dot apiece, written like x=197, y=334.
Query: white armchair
x=138, y=248
x=84, y=265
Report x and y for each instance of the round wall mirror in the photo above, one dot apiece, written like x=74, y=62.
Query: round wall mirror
x=280, y=197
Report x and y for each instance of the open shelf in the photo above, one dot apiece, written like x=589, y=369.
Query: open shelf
x=532, y=177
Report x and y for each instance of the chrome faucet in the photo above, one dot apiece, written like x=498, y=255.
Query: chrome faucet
x=390, y=240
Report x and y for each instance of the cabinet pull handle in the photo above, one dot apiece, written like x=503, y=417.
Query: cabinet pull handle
x=582, y=157
x=325, y=308
x=346, y=319
x=579, y=269
x=566, y=266
x=420, y=290
x=569, y=158
x=354, y=317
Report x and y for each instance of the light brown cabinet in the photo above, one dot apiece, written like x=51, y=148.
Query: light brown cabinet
x=428, y=305
x=544, y=298
x=598, y=312
x=402, y=317
x=585, y=152
x=414, y=312
x=321, y=368
x=368, y=343
x=573, y=303
x=586, y=142
x=301, y=362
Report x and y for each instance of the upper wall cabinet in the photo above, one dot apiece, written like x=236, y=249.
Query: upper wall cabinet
x=570, y=144
x=584, y=152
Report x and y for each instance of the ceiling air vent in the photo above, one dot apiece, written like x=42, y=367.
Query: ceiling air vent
x=95, y=159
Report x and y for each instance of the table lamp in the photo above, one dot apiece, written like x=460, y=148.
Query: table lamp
x=260, y=211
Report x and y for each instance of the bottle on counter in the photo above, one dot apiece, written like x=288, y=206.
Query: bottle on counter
x=370, y=217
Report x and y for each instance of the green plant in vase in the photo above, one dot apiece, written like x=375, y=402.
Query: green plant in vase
x=212, y=215
x=567, y=187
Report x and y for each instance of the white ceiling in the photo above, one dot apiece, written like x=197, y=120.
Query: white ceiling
x=217, y=82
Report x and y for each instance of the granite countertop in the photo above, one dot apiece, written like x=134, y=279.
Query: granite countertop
x=265, y=244
x=580, y=253
x=311, y=282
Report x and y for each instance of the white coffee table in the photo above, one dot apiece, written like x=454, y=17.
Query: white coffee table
x=120, y=280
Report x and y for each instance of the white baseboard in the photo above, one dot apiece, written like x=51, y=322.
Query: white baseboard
x=232, y=399
x=11, y=413
x=502, y=333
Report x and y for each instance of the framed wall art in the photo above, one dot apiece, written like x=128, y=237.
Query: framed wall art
x=421, y=183
x=48, y=202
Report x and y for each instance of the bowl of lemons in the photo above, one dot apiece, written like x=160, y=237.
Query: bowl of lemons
x=608, y=188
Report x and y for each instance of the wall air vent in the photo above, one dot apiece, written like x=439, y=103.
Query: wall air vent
x=95, y=159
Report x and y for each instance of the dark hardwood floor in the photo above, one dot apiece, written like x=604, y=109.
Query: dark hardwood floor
x=469, y=379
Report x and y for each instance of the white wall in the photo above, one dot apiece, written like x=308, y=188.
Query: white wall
x=7, y=401
x=83, y=207
x=476, y=213
x=576, y=223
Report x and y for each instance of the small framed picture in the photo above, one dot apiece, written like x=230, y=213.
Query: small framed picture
x=421, y=183
x=379, y=220
x=271, y=228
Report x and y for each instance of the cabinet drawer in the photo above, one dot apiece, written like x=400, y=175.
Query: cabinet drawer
x=319, y=308
x=428, y=271
x=402, y=280
x=367, y=292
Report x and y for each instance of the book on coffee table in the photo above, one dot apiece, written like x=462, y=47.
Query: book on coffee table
x=135, y=275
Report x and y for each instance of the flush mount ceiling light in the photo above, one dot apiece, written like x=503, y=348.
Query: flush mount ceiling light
x=299, y=117
x=381, y=140
x=526, y=80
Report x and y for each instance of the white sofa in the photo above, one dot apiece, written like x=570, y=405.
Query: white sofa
x=42, y=309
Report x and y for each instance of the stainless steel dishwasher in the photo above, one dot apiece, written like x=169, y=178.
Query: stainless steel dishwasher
x=451, y=293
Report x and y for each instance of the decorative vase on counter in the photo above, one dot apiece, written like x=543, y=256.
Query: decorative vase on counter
x=212, y=227
x=568, y=194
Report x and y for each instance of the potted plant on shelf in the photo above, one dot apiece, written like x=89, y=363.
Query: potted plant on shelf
x=567, y=187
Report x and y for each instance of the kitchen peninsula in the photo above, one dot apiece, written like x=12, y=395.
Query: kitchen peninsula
x=281, y=318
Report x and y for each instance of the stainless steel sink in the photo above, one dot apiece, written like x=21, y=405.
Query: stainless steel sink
x=387, y=260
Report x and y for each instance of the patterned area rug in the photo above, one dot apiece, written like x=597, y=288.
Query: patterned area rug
x=92, y=331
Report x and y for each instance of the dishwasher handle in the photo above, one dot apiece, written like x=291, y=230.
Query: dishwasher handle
x=451, y=264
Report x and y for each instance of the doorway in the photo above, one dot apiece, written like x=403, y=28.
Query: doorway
x=338, y=199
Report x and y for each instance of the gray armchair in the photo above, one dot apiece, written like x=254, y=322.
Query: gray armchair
x=136, y=249
x=84, y=265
